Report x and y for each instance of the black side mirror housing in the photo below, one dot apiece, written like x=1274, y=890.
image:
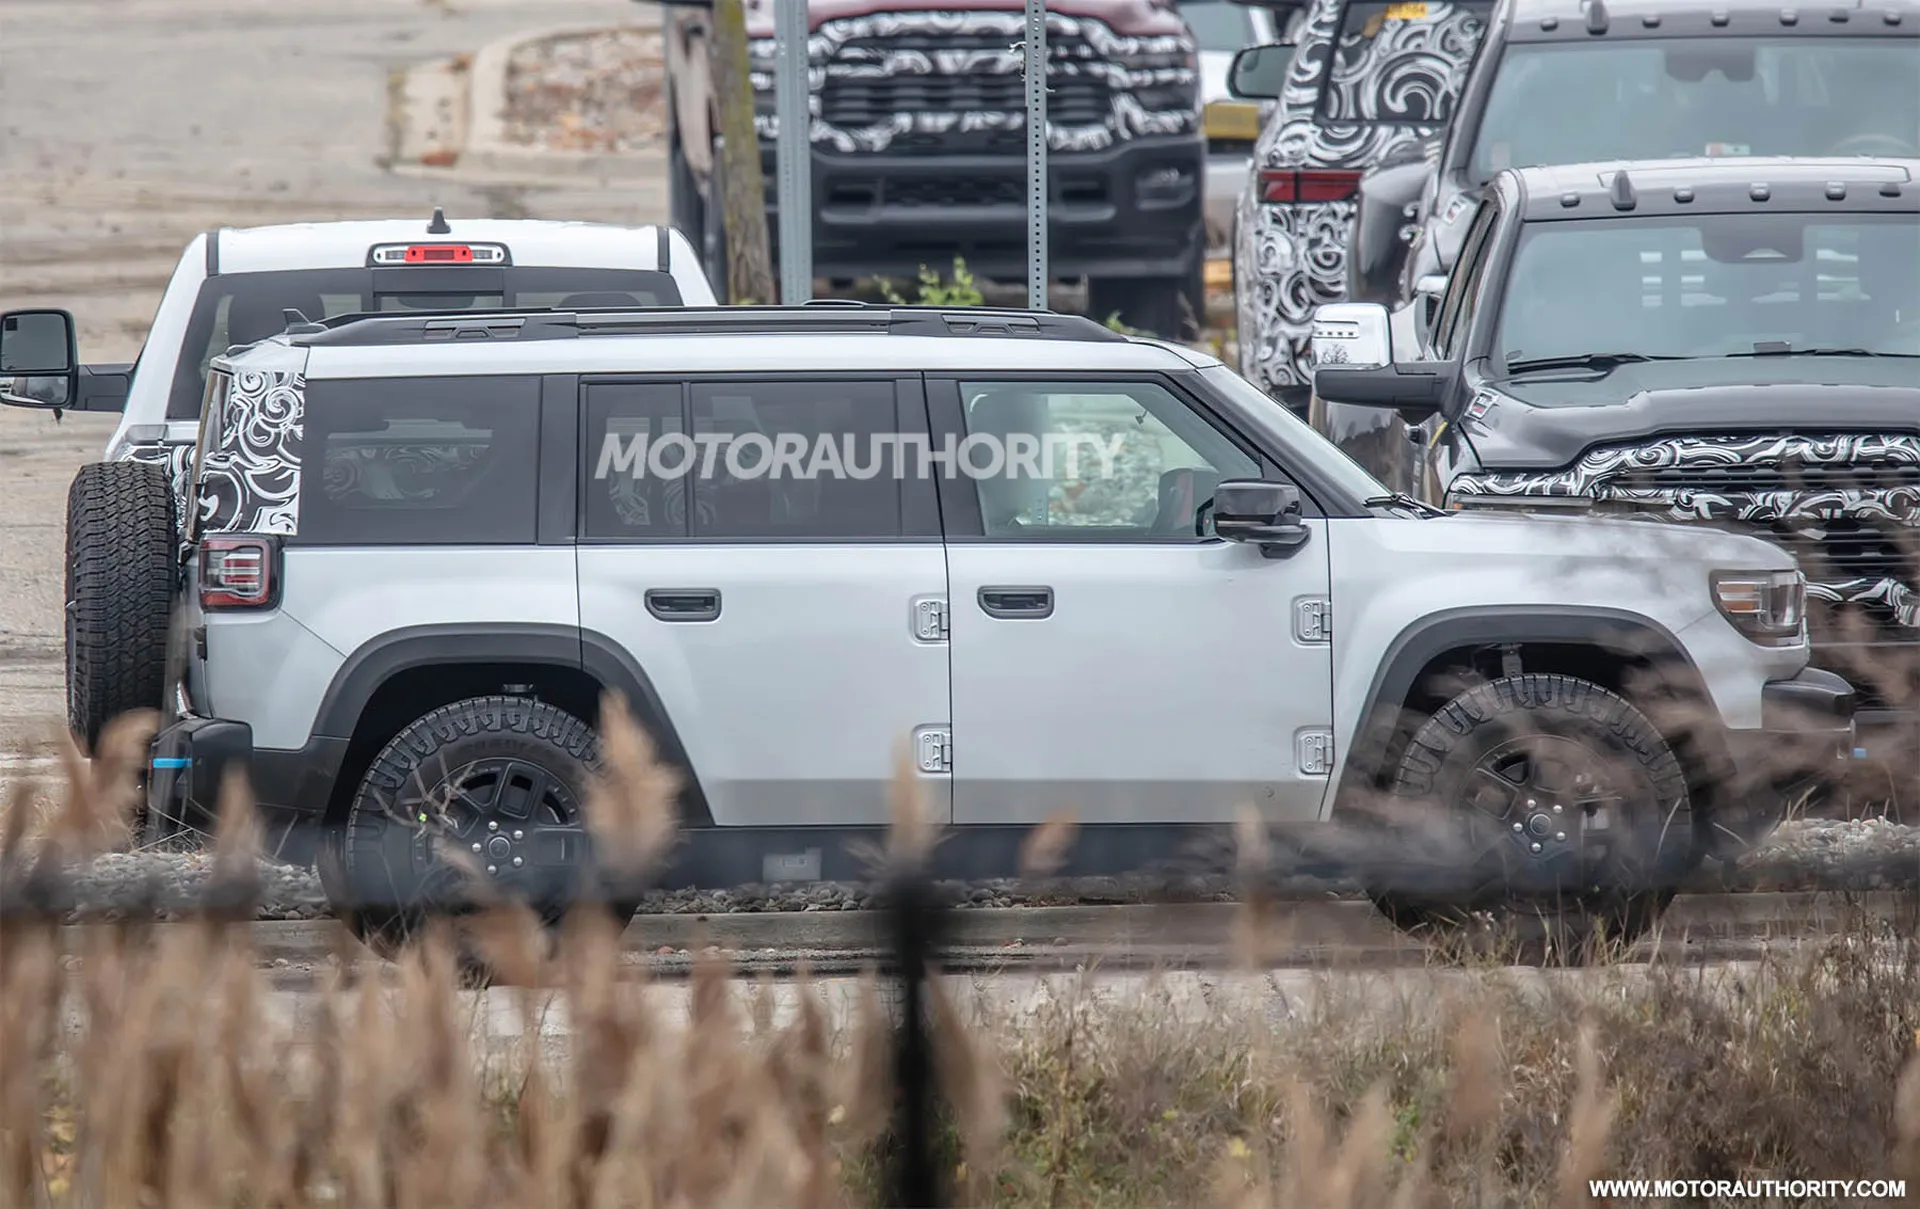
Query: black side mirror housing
x=39, y=359
x=1262, y=513
x=1415, y=391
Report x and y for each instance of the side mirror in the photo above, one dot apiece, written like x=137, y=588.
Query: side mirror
x=1351, y=333
x=1259, y=73
x=1265, y=514
x=39, y=359
x=1415, y=391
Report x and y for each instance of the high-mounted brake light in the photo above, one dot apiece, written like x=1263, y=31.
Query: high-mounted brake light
x=438, y=253
x=1305, y=186
x=237, y=573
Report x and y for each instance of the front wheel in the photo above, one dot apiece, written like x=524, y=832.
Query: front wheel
x=500, y=782
x=1565, y=822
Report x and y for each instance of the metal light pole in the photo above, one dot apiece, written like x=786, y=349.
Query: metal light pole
x=1036, y=48
x=794, y=150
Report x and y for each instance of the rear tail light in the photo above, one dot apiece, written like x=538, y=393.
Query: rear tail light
x=238, y=572
x=438, y=253
x=1304, y=186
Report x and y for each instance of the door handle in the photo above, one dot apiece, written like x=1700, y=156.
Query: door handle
x=1017, y=604
x=684, y=604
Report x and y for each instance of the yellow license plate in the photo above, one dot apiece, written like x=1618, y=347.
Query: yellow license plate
x=1413, y=10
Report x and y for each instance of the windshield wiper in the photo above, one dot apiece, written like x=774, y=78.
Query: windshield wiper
x=1599, y=361
x=1782, y=350
x=1401, y=499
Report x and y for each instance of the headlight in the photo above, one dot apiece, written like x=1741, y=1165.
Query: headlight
x=1769, y=607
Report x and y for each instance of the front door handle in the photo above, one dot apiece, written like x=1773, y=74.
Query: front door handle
x=1011, y=604
x=684, y=604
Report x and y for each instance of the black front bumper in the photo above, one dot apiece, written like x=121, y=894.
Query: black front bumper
x=1801, y=752
x=291, y=790
x=1133, y=210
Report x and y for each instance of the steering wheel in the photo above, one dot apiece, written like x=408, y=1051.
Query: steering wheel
x=1872, y=143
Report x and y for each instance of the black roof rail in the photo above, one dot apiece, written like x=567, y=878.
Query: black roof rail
x=387, y=328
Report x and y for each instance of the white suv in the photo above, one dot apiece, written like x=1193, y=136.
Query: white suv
x=233, y=287
x=427, y=545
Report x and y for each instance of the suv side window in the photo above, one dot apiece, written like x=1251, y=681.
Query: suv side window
x=793, y=458
x=418, y=461
x=1063, y=460
x=1463, y=290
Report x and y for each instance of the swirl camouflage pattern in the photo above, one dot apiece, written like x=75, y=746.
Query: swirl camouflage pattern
x=1380, y=93
x=1846, y=505
x=981, y=48
x=250, y=481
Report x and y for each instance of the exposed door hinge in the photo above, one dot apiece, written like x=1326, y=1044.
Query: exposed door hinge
x=1314, y=750
x=933, y=748
x=1313, y=619
x=930, y=618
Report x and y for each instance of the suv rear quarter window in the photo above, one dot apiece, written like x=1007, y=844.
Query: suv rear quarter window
x=1398, y=62
x=420, y=461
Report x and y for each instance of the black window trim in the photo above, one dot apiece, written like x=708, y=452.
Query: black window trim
x=961, y=504
x=1474, y=246
x=920, y=518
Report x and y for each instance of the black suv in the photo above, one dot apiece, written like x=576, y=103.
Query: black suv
x=1584, y=81
x=1733, y=342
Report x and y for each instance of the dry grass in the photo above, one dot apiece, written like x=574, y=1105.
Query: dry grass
x=151, y=1072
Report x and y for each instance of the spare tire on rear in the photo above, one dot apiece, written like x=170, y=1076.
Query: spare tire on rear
x=122, y=574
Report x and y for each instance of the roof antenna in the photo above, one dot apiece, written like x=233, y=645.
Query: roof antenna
x=1622, y=193
x=438, y=224
x=1597, y=17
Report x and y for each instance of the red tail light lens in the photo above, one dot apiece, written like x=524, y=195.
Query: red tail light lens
x=1305, y=186
x=237, y=573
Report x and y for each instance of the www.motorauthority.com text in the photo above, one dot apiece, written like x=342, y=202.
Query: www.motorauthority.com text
x=1758, y=1190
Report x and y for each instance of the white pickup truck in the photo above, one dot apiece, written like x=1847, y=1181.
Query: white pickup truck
x=235, y=286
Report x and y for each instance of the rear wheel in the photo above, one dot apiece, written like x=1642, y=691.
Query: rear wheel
x=499, y=781
x=1565, y=823
x=122, y=574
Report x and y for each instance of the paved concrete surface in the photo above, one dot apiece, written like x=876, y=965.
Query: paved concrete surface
x=129, y=126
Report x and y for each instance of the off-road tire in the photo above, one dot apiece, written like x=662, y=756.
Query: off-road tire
x=1562, y=914
x=1170, y=308
x=373, y=882
x=122, y=577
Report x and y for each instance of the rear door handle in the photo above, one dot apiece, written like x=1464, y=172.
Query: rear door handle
x=1010, y=604
x=684, y=604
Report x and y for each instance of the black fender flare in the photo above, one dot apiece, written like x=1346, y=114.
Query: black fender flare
x=381, y=658
x=1626, y=635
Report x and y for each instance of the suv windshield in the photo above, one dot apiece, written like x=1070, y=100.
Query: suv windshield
x=1700, y=96
x=1713, y=286
x=241, y=308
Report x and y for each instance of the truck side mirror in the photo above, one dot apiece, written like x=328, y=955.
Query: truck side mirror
x=1259, y=73
x=39, y=359
x=1353, y=334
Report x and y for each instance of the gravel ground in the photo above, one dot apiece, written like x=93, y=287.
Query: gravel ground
x=1802, y=855
x=588, y=92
